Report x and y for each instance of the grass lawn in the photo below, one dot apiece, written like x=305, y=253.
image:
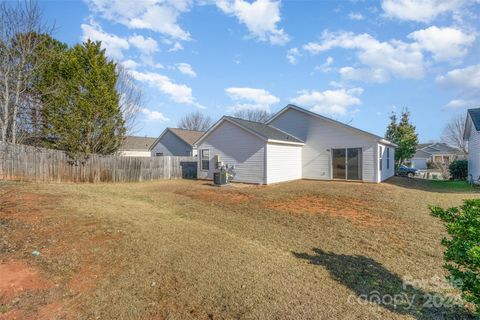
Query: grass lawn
x=187, y=250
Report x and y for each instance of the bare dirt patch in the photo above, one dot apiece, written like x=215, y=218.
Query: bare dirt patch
x=17, y=278
x=353, y=210
x=217, y=195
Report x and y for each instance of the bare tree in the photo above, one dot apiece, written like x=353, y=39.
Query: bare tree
x=131, y=98
x=195, y=121
x=453, y=132
x=20, y=25
x=256, y=115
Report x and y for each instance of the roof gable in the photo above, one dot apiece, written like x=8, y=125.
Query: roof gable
x=316, y=115
x=475, y=117
x=438, y=148
x=263, y=131
x=186, y=136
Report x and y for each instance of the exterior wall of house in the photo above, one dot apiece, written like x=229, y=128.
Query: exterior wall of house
x=474, y=154
x=388, y=162
x=320, y=137
x=134, y=153
x=234, y=146
x=171, y=145
x=284, y=162
x=419, y=163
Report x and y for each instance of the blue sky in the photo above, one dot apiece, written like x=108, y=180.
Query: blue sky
x=354, y=61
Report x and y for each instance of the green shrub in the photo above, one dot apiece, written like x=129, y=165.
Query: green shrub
x=458, y=169
x=462, y=254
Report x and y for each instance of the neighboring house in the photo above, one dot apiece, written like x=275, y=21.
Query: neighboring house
x=176, y=142
x=437, y=152
x=420, y=159
x=295, y=144
x=133, y=146
x=472, y=135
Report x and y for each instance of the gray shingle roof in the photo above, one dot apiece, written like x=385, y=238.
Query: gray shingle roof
x=136, y=143
x=475, y=115
x=189, y=136
x=420, y=154
x=440, y=148
x=265, y=130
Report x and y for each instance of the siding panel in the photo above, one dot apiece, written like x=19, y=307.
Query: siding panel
x=284, y=163
x=320, y=137
x=386, y=173
x=171, y=145
x=237, y=147
x=474, y=153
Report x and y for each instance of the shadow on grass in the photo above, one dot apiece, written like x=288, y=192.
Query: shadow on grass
x=374, y=284
x=437, y=186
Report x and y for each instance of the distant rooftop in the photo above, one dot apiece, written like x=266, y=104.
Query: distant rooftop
x=189, y=136
x=137, y=143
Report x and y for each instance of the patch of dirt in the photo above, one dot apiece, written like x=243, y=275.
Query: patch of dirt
x=23, y=206
x=351, y=209
x=86, y=279
x=17, y=278
x=12, y=315
x=217, y=195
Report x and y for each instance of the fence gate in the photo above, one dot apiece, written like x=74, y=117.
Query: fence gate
x=189, y=169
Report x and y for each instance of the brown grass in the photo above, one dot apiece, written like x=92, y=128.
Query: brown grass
x=354, y=210
x=186, y=250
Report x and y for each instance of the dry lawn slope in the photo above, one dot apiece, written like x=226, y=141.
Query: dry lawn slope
x=186, y=250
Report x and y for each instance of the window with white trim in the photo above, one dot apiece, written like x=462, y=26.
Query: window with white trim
x=388, y=158
x=159, y=154
x=380, y=157
x=205, y=159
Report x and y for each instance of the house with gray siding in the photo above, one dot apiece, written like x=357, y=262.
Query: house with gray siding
x=334, y=150
x=472, y=135
x=175, y=142
x=260, y=153
x=295, y=144
x=435, y=152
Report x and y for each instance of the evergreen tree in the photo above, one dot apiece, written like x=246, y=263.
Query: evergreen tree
x=403, y=134
x=83, y=115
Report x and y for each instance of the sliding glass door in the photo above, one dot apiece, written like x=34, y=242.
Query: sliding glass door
x=347, y=163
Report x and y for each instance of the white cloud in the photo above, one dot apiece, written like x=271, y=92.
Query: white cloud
x=112, y=44
x=325, y=67
x=444, y=43
x=179, y=93
x=466, y=81
x=130, y=64
x=463, y=78
x=260, y=17
x=356, y=16
x=154, y=116
x=177, y=46
x=331, y=102
x=185, y=68
x=421, y=10
x=364, y=74
x=251, y=98
x=159, y=16
x=292, y=55
x=393, y=58
x=145, y=45
x=460, y=103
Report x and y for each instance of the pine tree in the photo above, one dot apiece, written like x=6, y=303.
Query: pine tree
x=83, y=116
x=403, y=134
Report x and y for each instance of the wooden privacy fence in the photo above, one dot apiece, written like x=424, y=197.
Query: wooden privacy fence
x=27, y=163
